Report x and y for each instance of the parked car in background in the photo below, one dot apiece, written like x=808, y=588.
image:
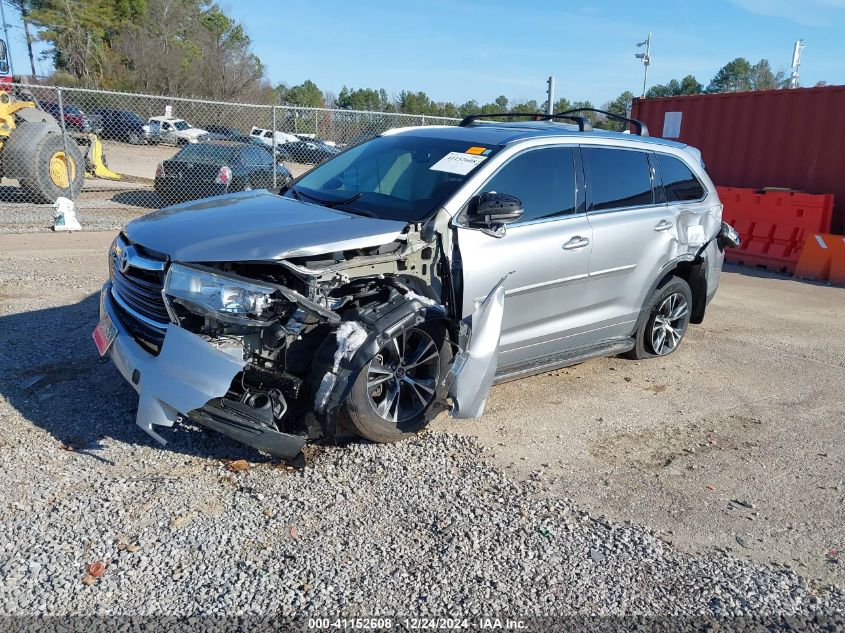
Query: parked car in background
x=313, y=137
x=179, y=131
x=225, y=133
x=310, y=151
x=269, y=137
x=127, y=126
x=75, y=119
x=213, y=168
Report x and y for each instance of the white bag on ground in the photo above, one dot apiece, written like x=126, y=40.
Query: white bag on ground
x=64, y=216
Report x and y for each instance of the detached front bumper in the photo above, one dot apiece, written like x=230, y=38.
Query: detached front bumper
x=183, y=380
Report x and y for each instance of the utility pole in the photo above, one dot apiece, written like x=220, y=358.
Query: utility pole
x=646, y=59
x=550, y=104
x=20, y=5
x=8, y=43
x=796, y=62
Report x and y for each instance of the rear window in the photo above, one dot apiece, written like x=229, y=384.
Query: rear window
x=256, y=156
x=209, y=154
x=679, y=182
x=619, y=178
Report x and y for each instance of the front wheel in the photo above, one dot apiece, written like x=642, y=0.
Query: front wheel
x=667, y=317
x=393, y=395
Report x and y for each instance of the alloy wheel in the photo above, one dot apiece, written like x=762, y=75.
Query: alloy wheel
x=402, y=378
x=669, y=324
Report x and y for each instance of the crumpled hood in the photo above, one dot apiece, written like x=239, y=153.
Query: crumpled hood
x=255, y=226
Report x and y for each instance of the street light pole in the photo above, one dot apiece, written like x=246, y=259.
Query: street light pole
x=646, y=59
x=550, y=103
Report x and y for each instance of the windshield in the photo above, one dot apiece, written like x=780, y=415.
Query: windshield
x=181, y=125
x=403, y=177
x=131, y=117
x=208, y=154
x=72, y=109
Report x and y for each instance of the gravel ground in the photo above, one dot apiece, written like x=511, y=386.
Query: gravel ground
x=428, y=526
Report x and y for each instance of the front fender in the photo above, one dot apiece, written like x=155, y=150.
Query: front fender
x=471, y=376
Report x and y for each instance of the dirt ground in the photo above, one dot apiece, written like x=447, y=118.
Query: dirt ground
x=734, y=442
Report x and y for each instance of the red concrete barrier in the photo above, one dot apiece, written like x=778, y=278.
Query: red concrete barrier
x=774, y=224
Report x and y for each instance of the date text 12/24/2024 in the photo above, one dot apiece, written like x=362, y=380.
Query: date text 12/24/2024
x=424, y=624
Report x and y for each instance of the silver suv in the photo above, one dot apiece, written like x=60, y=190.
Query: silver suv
x=408, y=274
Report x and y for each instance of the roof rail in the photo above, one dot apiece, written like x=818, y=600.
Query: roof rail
x=642, y=128
x=583, y=123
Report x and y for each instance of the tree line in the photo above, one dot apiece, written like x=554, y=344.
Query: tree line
x=193, y=48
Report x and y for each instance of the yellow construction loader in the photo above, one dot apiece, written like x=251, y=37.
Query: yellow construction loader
x=33, y=150
x=46, y=164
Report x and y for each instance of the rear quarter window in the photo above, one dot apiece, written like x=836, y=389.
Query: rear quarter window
x=679, y=183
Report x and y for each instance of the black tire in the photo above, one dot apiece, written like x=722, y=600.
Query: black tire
x=134, y=138
x=39, y=184
x=363, y=403
x=668, y=311
x=181, y=142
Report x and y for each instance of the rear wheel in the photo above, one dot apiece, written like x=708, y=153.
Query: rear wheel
x=134, y=138
x=666, y=321
x=393, y=395
x=54, y=173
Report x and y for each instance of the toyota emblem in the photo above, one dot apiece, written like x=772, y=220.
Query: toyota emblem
x=124, y=261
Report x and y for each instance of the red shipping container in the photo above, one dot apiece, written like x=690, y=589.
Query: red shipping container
x=769, y=138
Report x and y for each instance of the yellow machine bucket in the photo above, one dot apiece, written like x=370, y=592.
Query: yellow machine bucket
x=94, y=164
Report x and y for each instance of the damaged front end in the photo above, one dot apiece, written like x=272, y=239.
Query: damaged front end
x=267, y=352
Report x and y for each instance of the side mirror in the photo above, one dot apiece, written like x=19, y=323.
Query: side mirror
x=490, y=210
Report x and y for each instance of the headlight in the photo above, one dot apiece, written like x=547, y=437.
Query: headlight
x=217, y=295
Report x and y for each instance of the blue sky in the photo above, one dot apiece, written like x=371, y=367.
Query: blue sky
x=471, y=49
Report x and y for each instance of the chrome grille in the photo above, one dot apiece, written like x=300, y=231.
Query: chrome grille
x=137, y=281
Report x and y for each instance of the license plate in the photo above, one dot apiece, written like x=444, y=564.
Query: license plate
x=104, y=334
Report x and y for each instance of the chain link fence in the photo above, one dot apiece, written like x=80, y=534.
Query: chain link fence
x=119, y=155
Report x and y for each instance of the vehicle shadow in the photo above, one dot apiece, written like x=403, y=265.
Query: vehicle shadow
x=765, y=273
x=144, y=198
x=51, y=374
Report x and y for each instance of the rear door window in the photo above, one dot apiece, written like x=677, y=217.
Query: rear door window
x=543, y=179
x=679, y=182
x=619, y=178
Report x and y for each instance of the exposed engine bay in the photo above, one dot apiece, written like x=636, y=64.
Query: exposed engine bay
x=291, y=336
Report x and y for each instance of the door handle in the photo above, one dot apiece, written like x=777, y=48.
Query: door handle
x=575, y=243
x=663, y=225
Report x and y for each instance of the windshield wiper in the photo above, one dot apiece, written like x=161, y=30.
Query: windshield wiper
x=326, y=203
x=364, y=212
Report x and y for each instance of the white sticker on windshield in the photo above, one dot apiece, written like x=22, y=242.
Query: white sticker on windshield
x=458, y=163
